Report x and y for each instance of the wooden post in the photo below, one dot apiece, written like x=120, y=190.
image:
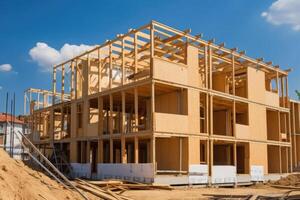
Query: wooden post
x=76, y=78
x=280, y=161
x=54, y=86
x=180, y=154
x=136, y=149
x=100, y=116
x=211, y=158
x=152, y=48
x=100, y=151
x=211, y=115
x=62, y=82
x=206, y=65
x=110, y=115
x=123, y=112
x=135, y=54
x=72, y=79
x=234, y=118
x=210, y=67
x=153, y=106
x=136, y=109
x=111, y=150
x=235, y=160
x=99, y=70
x=233, y=74
x=123, y=80
x=110, y=66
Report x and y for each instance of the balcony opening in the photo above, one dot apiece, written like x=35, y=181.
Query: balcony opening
x=242, y=158
x=241, y=82
x=106, y=151
x=171, y=155
x=285, y=159
x=272, y=125
x=93, y=154
x=130, y=155
x=81, y=152
x=222, y=116
x=203, y=113
x=93, y=111
x=242, y=113
x=271, y=82
x=117, y=151
x=223, y=154
x=171, y=100
x=144, y=151
x=284, y=127
x=273, y=161
x=203, y=152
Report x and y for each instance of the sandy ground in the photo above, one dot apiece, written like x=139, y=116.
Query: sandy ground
x=19, y=182
x=197, y=193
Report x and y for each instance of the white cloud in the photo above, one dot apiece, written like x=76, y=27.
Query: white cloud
x=284, y=12
x=5, y=68
x=47, y=56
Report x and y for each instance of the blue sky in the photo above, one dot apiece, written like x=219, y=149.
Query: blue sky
x=269, y=29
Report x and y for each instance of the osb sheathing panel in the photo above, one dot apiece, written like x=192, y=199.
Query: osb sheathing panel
x=194, y=150
x=256, y=85
x=218, y=83
x=92, y=130
x=167, y=153
x=193, y=66
x=258, y=155
x=193, y=111
x=167, y=103
x=172, y=72
x=257, y=122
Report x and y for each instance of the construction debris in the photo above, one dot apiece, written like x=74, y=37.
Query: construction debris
x=290, y=180
x=113, y=189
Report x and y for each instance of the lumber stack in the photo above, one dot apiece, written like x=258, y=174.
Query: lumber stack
x=114, y=189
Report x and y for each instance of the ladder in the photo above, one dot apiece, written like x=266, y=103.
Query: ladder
x=49, y=168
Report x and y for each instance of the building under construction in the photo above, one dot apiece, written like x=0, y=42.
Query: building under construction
x=161, y=105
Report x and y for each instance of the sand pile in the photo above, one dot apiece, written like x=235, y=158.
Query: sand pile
x=17, y=181
x=290, y=180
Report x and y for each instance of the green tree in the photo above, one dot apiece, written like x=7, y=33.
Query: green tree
x=298, y=94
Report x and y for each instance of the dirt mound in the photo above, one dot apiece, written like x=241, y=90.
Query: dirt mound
x=19, y=182
x=290, y=180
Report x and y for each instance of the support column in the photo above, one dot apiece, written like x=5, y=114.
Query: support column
x=100, y=151
x=123, y=141
x=72, y=80
x=110, y=66
x=153, y=106
x=136, y=149
x=235, y=160
x=62, y=82
x=99, y=70
x=53, y=85
x=111, y=150
x=136, y=110
x=211, y=115
x=110, y=115
x=100, y=116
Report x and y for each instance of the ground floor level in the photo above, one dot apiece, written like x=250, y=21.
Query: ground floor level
x=171, y=159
